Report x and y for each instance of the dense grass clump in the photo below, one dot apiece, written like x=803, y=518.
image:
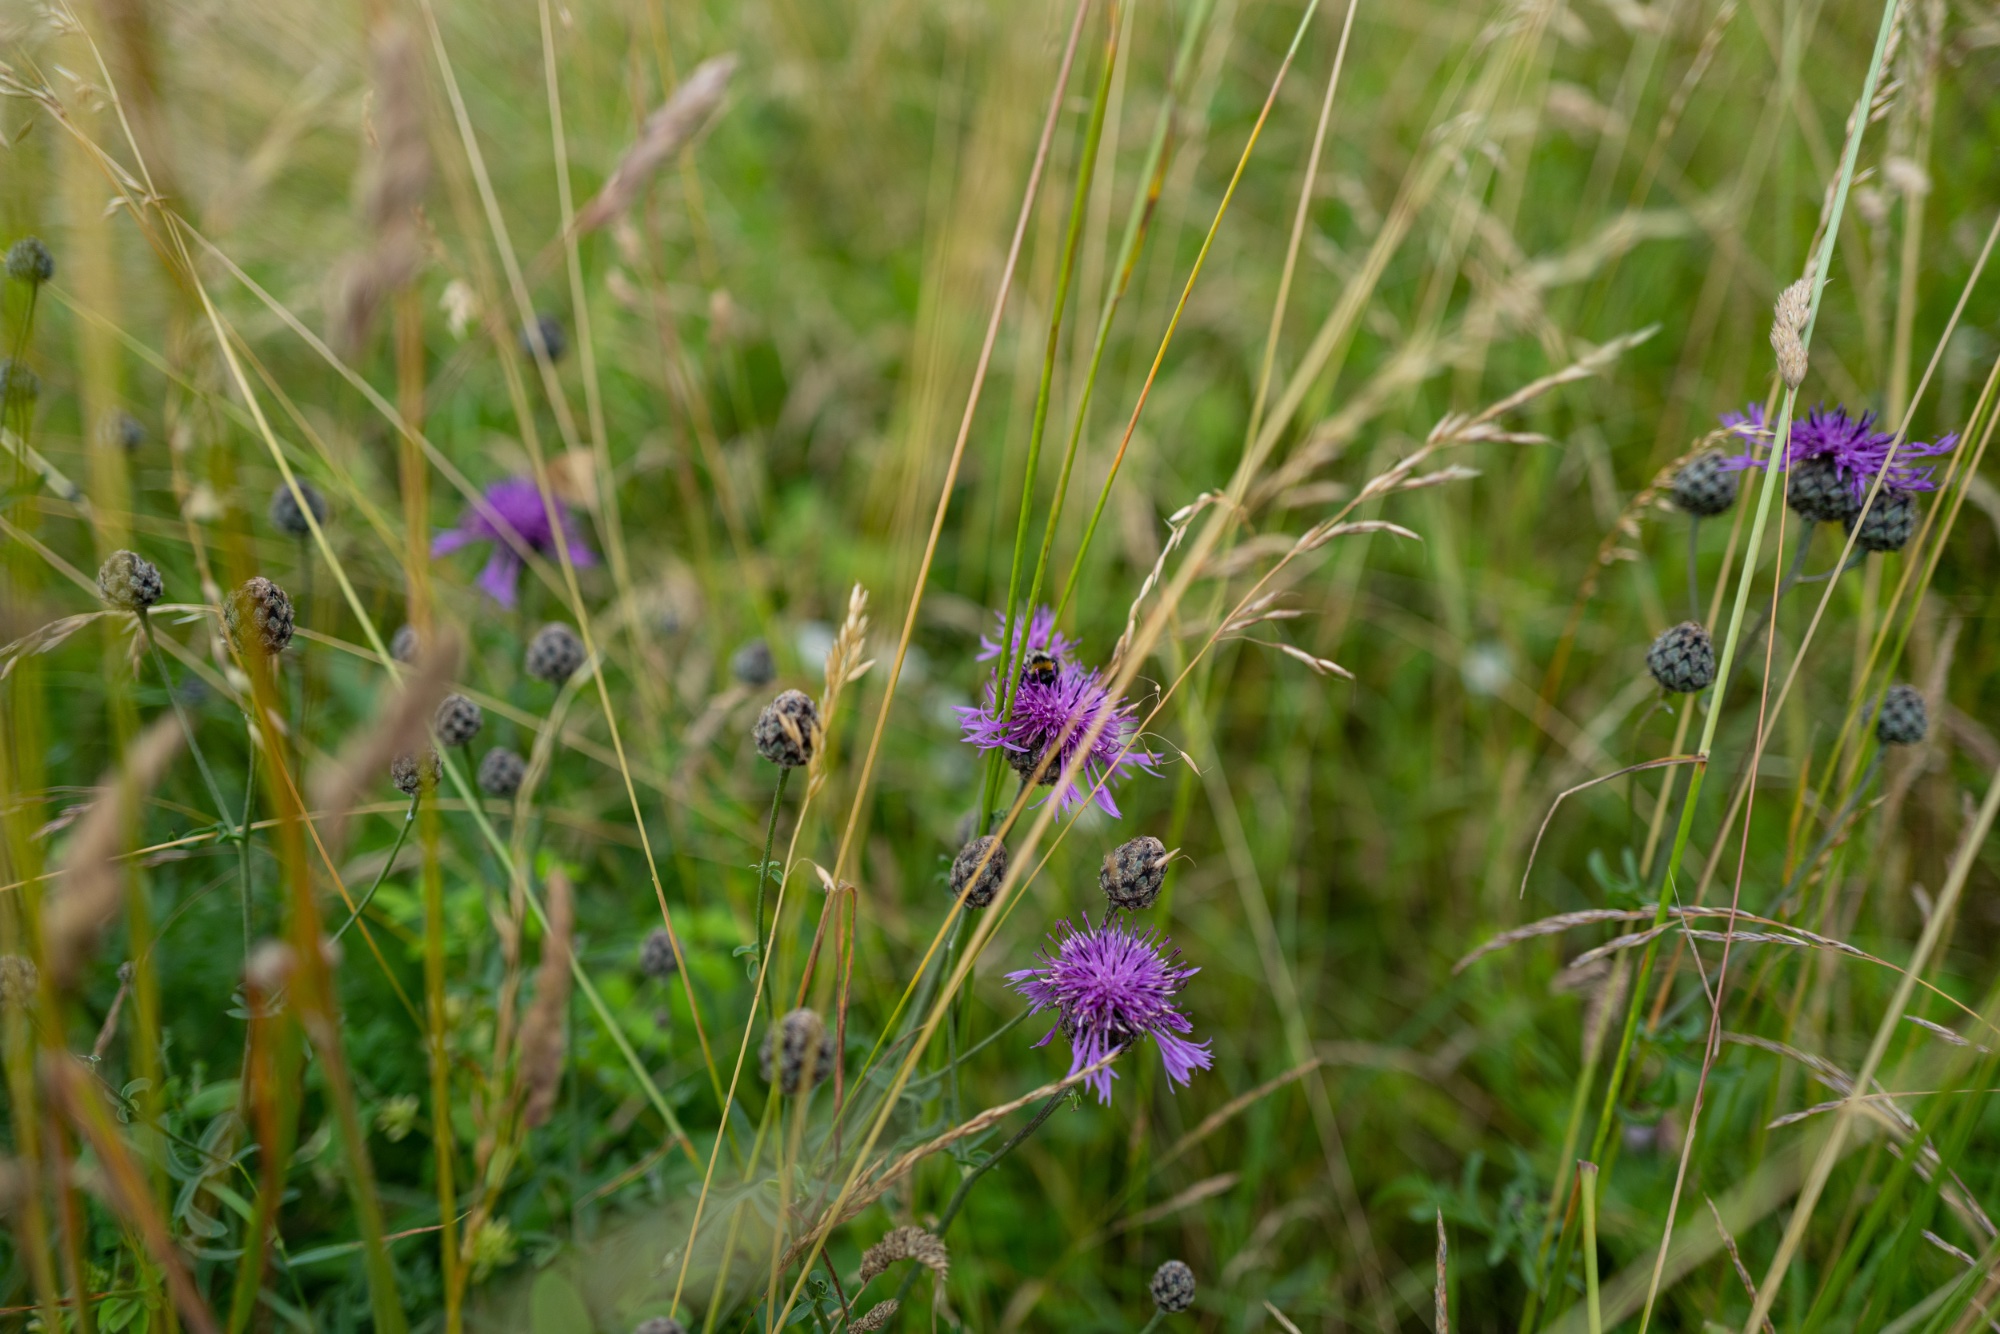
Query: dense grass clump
x=998, y=666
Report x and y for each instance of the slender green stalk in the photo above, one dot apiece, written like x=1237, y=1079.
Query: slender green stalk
x=1154, y=1323
x=361, y=904
x=1593, y=1300
x=187, y=728
x=243, y=846
x=764, y=879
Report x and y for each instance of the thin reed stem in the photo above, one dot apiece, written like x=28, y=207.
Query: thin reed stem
x=361, y=904
x=763, y=880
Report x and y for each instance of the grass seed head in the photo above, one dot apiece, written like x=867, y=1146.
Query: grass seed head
x=905, y=1243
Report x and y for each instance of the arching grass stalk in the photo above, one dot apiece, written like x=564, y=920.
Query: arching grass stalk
x=958, y=1197
x=1781, y=437
x=402, y=834
x=1018, y=612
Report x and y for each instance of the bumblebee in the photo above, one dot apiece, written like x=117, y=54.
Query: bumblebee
x=1040, y=668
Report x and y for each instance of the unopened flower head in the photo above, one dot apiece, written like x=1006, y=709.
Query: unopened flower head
x=29, y=261
x=1111, y=986
x=129, y=581
x=259, y=617
x=1060, y=709
x=1173, y=1286
x=1858, y=451
x=286, y=514
x=501, y=771
x=515, y=506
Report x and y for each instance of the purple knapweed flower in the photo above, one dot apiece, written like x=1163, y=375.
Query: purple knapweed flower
x=1042, y=636
x=1109, y=987
x=518, y=504
x=1060, y=710
x=1859, y=451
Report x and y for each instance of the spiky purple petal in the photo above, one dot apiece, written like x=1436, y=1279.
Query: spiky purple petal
x=517, y=504
x=1860, y=452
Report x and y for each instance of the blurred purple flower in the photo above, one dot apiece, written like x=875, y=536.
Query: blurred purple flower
x=1858, y=450
x=517, y=502
x=1041, y=633
x=1109, y=987
x=1062, y=713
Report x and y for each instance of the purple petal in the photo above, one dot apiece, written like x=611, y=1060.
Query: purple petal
x=451, y=539
x=502, y=576
x=1181, y=1057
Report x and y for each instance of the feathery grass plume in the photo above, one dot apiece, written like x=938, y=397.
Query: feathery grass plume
x=665, y=133
x=1788, y=325
x=1173, y=1287
x=878, y=1317
x=395, y=175
x=905, y=1243
x=129, y=582
x=400, y=726
x=91, y=886
x=542, y=1030
x=788, y=730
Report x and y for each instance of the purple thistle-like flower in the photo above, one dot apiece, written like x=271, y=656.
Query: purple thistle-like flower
x=1859, y=451
x=518, y=504
x=1041, y=633
x=1061, y=713
x=1109, y=987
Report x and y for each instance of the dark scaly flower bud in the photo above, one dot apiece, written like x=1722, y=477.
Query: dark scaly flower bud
x=501, y=772
x=1133, y=872
x=553, y=338
x=656, y=955
x=1817, y=492
x=403, y=645
x=18, y=384
x=1888, y=523
x=129, y=581
x=412, y=773
x=125, y=430
x=1904, y=720
x=29, y=261
x=1023, y=763
x=797, y=1041
x=458, y=720
x=554, y=654
x=259, y=617
x=288, y=518
x=1706, y=486
x=987, y=882
x=1173, y=1287
x=752, y=664
x=787, y=731
x=1682, y=659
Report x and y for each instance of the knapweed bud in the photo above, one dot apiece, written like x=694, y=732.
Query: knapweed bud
x=1817, y=492
x=1682, y=659
x=554, y=653
x=29, y=261
x=1173, y=1287
x=403, y=645
x=787, y=731
x=18, y=384
x=1133, y=872
x=413, y=773
x=656, y=955
x=125, y=431
x=984, y=880
x=659, y=1324
x=553, y=338
x=1704, y=487
x=1023, y=763
x=501, y=771
x=129, y=581
x=287, y=517
x=752, y=664
x=1888, y=523
x=458, y=720
x=259, y=617
x=796, y=1042
x=1904, y=720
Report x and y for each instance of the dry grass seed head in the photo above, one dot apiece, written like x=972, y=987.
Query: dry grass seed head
x=905, y=1243
x=542, y=1030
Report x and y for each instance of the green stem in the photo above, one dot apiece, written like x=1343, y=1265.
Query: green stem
x=187, y=728
x=958, y=1197
x=1694, y=568
x=1154, y=1323
x=361, y=906
x=1593, y=1303
x=243, y=845
x=764, y=879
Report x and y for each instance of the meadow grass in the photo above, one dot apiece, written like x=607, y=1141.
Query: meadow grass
x=1310, y=407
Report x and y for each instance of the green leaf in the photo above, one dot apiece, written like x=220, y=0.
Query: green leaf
x=556, y=1307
